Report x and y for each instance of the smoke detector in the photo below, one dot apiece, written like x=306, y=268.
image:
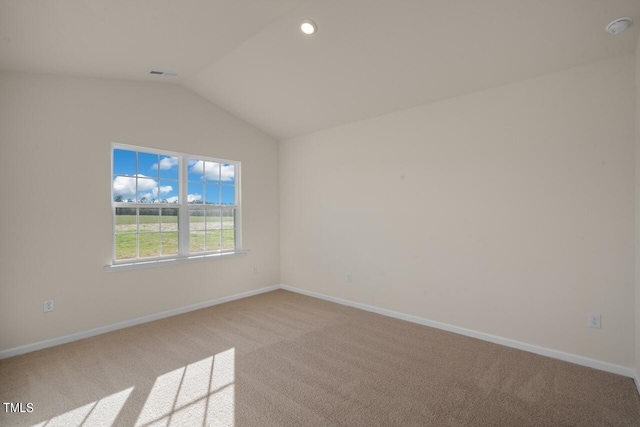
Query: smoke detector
x=617, y=26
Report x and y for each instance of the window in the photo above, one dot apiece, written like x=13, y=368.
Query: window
x=172, y=206
x=212, y=212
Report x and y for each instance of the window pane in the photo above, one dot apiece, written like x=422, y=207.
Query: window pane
x=228, y=239
x=168, y=167
x=228, y=174
x=124, y=162
x=124, y=189
x=126, y=228
x=212, y=171
x=169, y=243
x=169, y=226
x=194, y=192
x=213, y=219
x=126, y=245
x=213, y=240
x=228, y=218
x=148, y=165
x=149, y=244
x=196, y=220
x=213, y=227
x=196, y=170
x=147, y=190
x=169, y=219
x=196, y=241
x=228, y=228
x=168, y=191
x=149, y=220
x=212, y=194
x=228, y=195
x=126, y=220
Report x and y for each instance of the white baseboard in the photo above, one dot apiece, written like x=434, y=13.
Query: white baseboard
x=636, y=379
x=137, y=321
x=544, y=351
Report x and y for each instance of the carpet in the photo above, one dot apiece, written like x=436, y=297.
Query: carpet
x=284, y=359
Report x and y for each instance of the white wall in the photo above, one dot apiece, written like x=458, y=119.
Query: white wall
x=55, y=233
x=509, y=211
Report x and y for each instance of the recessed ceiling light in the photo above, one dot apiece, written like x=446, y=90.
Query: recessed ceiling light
x=617, y=26
x=308, y=27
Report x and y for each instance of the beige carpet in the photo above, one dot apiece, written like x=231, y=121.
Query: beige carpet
x=283, y=359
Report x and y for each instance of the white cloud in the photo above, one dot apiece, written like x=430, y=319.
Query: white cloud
x=125, y=186
x=164, y=189
x=197, y=167
x=173, y=199
x=228, y=172
x=194, y=198
x=212, y=171
x=166, y=163
x=145, y=183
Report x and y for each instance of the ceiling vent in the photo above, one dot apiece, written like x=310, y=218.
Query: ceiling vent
x=162, y=73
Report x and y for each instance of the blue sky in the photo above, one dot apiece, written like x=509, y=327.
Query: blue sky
x=157, y=178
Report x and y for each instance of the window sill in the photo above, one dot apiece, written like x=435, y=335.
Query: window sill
x=136, y=265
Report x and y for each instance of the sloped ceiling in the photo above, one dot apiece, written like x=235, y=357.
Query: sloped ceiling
x=369, y=57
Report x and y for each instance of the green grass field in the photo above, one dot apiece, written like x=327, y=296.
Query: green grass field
x=146, y=219
x=153, y=243
x=155, y=219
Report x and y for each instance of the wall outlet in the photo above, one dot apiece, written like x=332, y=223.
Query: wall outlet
x=349, y=278
x=594, y=321
x=254, y=270
x=48, y=305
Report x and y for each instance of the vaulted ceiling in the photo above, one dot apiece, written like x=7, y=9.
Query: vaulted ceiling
x=369, y=57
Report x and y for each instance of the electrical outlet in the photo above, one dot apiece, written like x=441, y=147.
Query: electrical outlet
x=349, y=278
x=254, y=270
x=594, y=321
x=48, y=305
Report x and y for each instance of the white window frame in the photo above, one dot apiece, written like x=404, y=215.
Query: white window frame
x=183, y=213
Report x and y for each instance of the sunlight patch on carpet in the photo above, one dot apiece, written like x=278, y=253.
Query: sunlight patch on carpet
x=102, y=412
x=201, y=393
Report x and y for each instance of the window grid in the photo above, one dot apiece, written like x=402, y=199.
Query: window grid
x=150, y=242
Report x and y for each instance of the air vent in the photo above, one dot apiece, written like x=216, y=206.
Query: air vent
x=162, y=73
